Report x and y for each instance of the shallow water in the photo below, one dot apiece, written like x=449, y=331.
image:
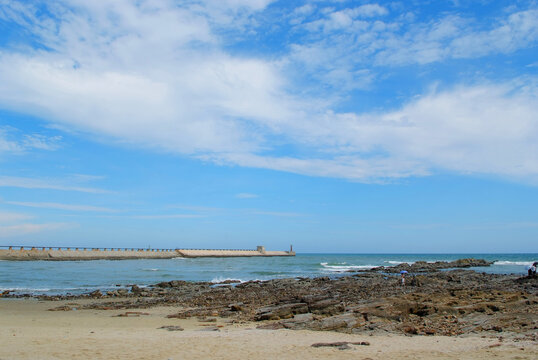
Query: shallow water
x=75, y=277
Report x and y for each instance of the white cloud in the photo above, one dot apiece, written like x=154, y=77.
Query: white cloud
x=52, y=184
x=513, y=33
x=340, y=39
x=342, y=166
x=454, y=37
x=14, y=224
x=12, y=142
x=153, y=77
x=7, y=145
x=59, y=206
x=306, y=9
x=157, y=75
x=27, y=229
x=42, y=142
x=370, y=10
x=486, y=129
x=8, y=217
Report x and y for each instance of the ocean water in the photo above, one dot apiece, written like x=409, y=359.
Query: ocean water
x=76, y=277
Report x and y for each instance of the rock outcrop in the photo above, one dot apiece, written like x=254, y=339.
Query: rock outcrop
x=451, y=303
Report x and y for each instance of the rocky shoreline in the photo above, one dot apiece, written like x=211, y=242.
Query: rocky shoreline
x=423, y=266
x=453, y=302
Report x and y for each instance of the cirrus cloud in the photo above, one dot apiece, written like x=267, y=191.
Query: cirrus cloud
x=159, y=75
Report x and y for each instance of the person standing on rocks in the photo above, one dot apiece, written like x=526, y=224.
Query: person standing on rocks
x=403, y=272
x=532, y=269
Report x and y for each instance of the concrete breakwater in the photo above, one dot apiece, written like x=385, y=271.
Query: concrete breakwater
x=62, y=253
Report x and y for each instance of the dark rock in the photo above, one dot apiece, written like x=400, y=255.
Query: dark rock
x=96, y=294
x=177, y=283
x=423, y=266
x=448, y=303
x=165, y=284
x=210, y=328
x=281, y=311
x=237, y=307
x=230, y=281
x=429, y=331
x=298, y=322
x=410, y=330
x=346, y=321
x=327, y=307
x=271, y=326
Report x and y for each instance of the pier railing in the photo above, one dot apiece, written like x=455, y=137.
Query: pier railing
x=81, y=248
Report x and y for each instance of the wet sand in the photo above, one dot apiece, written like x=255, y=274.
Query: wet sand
x=29, y=331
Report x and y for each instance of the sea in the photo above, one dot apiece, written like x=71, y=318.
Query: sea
x=77, y=277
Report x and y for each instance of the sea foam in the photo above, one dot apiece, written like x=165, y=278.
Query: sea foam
x=344, y=268
x=512, y=263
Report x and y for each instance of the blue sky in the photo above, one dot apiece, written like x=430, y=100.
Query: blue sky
x=336, y=126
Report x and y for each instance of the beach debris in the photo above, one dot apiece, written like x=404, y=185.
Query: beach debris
x=132, y=314
x=341, y=345
x=172, y=328
x=204, y=319
x=62, y=308
x=210, y=328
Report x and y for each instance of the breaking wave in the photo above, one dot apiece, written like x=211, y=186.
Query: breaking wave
x=393, y=262
x=343, y=268
x=219, y=280
x=512, y=263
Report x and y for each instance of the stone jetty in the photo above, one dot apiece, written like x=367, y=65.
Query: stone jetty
x=63, y=253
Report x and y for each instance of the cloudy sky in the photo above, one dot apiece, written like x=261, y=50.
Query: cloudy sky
x=341, y=126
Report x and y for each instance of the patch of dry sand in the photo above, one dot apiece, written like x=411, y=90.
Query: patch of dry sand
x=29, y=331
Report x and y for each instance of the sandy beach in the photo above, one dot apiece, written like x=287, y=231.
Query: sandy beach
x=29, y=331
